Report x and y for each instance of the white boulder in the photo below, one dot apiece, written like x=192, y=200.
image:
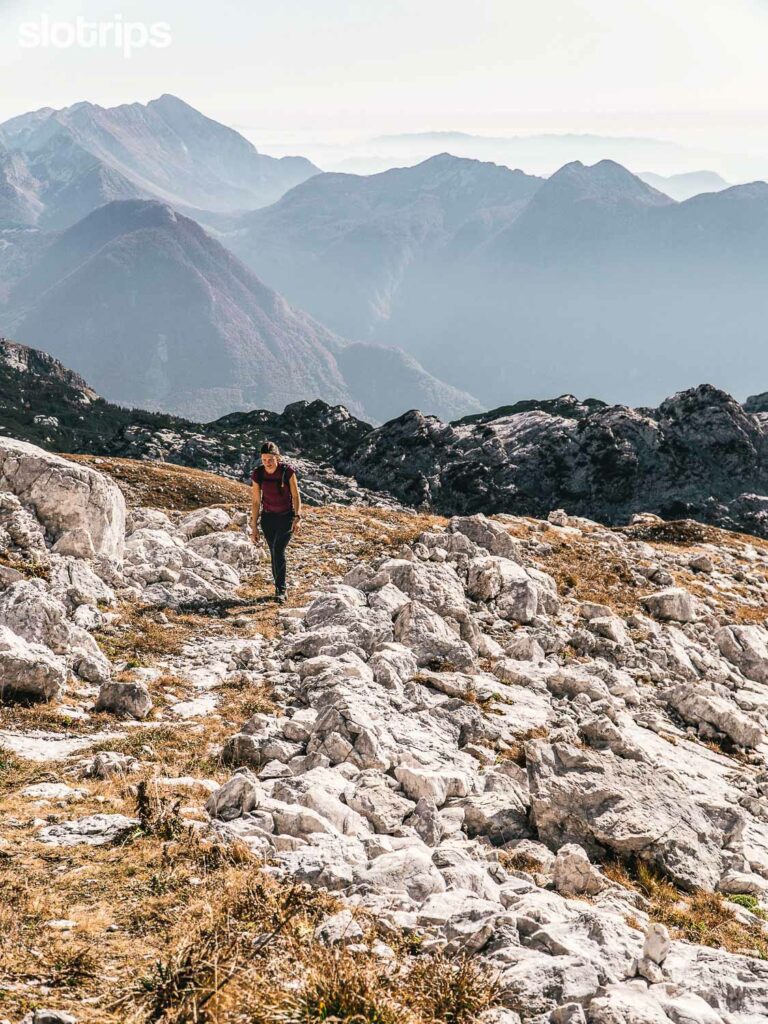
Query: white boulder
x=672, y=605
x=574, y=875
x=83, y=511
x=28, y=670
x=128, y=699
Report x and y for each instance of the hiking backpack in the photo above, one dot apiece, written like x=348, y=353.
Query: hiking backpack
x=259, y=475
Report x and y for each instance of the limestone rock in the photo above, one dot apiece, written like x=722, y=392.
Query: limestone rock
x=233, y=549
x=30, y=611
x=426, y=821
x=465, y=920
x=83, y=511
x=433, y=785
x=430, y=638
x=28, y=670
x=204, y=521
x=49, y=1017
x=384, y=808
x=128, y=699
x=673, y=604
x=746, y=647
x=584, y=797
x=626, y=1004
x=93, y=830
x=409, y=871
x=486, y=533
x=574, y=875
x=696, y=704
x=339, y=929
x=238, y=795
x=657, y=942
x=435, y=585
x=109, y=763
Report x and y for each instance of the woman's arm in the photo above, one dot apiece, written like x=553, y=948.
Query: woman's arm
x=255, y=513
x=296, y=502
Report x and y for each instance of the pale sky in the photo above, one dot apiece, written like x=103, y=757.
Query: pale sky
x=694, y=71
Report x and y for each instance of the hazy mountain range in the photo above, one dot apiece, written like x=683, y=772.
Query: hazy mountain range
x=374, y=233
x=58, y=165
x=589, y=278
x=452, y=285
x=685, y=186
x=540, y=154
x=157, y=313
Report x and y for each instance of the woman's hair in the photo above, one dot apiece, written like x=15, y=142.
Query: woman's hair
x=270, y=448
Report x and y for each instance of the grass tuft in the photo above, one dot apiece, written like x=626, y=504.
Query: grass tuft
x=701, y=917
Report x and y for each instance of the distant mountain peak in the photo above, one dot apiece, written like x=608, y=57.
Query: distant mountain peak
x=131, y=215
x=684, y=186
x=606, y=182
x=167, y=99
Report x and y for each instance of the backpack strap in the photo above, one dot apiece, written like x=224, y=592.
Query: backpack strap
x=259, y=475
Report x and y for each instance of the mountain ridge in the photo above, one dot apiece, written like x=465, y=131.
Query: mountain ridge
x=384, y=227
x=164, y=149
x=698, y=455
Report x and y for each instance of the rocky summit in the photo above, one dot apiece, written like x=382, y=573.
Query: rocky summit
x=485, y=768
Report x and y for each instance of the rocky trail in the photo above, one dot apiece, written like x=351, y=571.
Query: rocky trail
x=489, y=769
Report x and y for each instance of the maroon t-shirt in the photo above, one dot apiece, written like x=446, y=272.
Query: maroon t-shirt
x=275, y=495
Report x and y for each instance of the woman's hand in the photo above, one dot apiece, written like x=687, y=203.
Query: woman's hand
x=255, y=535
x=295, y=524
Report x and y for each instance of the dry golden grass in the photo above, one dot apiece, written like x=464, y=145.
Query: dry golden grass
x=29, y=569
x=587, y=570
x=750, y=614
x=516, y=750
x=166, y=486
x=139, y=638
x=514, y=860
x=23, y=715
x=706, y=918
x=244, y=698
x=16, y=772
x=176, y=749
x=583, y=568
x=263, y=967
x=678, y=532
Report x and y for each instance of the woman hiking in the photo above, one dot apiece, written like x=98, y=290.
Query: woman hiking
x=276, y=496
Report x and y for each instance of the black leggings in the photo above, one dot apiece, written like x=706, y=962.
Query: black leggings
x=276, y=527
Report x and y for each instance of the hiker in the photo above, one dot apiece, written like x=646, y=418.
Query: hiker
x=276, y=496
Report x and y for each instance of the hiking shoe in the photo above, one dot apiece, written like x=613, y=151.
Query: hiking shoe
x=280, y=597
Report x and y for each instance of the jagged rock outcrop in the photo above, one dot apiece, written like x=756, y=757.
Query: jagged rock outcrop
x=699, y=455
x=65, y=527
